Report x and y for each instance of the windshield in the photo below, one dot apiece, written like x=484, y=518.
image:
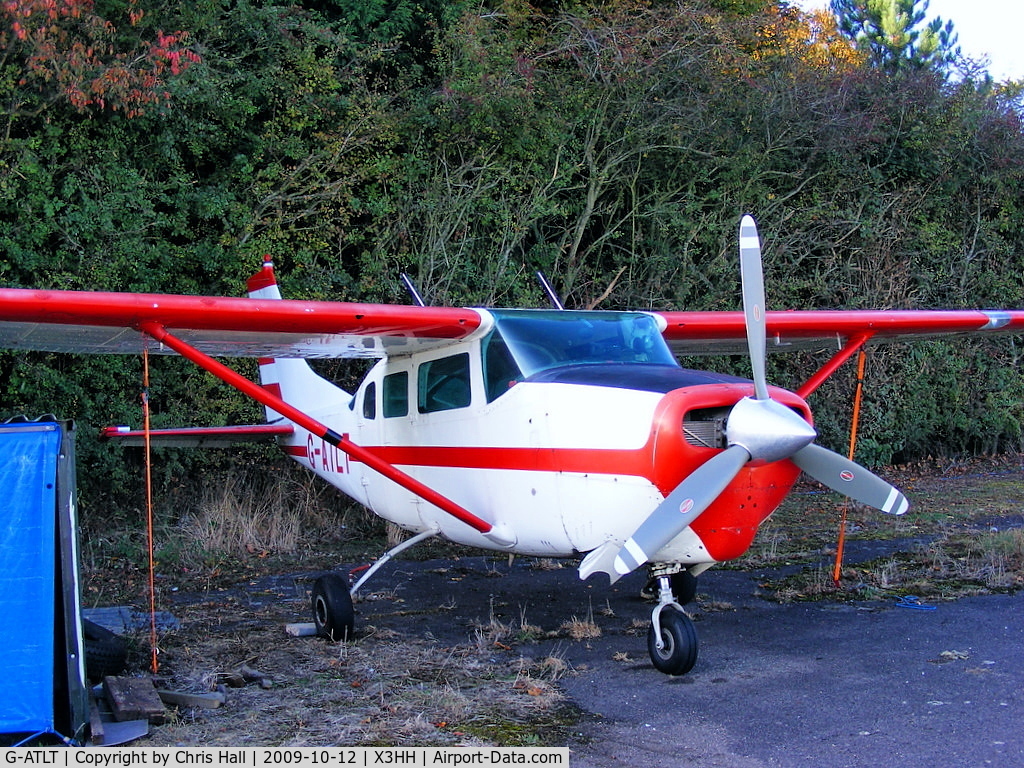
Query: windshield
x=538, y=340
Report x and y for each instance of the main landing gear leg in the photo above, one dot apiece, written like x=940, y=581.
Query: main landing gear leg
x=333, y=612
x=672, y=638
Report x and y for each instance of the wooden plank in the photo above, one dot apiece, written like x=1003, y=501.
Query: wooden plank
x=134, y=698
x=180, y=699
x=96, y=733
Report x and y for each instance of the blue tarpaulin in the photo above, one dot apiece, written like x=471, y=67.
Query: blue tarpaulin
x=28, y=557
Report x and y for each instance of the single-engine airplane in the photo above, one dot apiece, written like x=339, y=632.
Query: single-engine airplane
x=554, y=433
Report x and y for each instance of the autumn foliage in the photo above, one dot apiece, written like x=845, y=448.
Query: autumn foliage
x=67, y=51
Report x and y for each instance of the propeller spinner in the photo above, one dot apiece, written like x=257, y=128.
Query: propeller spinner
x=758, y=428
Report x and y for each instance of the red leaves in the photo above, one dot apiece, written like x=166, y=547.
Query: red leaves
x=168, y=52
x=69, y=52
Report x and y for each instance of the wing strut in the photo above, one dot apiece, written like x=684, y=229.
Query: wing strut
x=263, y=396
x=853, y=345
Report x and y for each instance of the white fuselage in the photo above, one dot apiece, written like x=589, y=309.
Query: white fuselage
x=499, y=460
x=560, y=430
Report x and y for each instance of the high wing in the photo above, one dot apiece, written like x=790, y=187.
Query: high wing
x=105, y=322
x=96, y=323
x=844, y=333
x=694, y=333
x=201, y=328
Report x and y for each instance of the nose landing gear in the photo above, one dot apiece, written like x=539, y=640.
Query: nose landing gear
x=672, y=638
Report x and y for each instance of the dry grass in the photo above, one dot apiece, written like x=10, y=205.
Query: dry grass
x=580, y=629
x=383, y=688
x=942, y=547
x=945, y=496
x=236, y=524
x=500, y=634
x=952, y=566
x=232, y=520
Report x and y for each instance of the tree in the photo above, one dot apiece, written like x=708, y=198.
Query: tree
x=612, y=144
x=890, y=33
x=53, y=51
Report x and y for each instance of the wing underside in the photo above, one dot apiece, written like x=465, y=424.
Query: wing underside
x=109, y=323
x=93, y=340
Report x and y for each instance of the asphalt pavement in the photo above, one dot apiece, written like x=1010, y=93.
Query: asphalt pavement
x=820, y=684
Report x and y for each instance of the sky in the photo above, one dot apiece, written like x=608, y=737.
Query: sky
x=989, y=28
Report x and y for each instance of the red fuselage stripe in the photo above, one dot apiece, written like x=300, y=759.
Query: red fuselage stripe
x=635, y=462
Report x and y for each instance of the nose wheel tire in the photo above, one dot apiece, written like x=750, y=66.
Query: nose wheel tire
x=333, y=613
x=678, y=653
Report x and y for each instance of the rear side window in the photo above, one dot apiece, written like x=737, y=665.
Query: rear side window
x=444, y=384
x=370, y=401
x=396, y=394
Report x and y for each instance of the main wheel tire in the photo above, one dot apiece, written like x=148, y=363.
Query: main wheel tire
x=680, y=639
x=333, y=613
x=106, y=652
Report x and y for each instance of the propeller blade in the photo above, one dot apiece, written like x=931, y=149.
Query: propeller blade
x=757, y=427
x=679, y=509
x=752, y=277
x=849, y=478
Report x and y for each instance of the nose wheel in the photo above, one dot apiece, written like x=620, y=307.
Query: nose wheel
x=684, y=585
x=672, y=638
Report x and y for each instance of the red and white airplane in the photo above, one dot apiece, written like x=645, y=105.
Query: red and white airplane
x=553, y=433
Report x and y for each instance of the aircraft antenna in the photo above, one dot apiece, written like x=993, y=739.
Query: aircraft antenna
x=410, y=286
x=550, y=291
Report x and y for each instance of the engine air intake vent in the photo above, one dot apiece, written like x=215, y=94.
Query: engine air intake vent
x=705, y=427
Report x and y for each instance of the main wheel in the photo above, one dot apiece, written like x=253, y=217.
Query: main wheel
x=333, y=613
x=680, y=639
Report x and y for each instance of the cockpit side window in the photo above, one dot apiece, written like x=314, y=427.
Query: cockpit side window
x=500, y=369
